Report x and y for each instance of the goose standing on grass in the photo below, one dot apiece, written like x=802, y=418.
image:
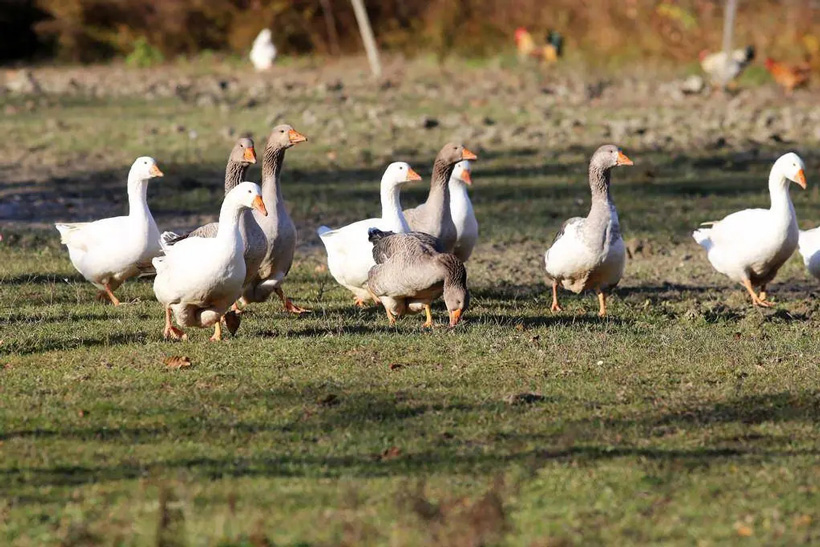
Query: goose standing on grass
x=809, y=247
x=199, y=278
x=410, y=273
x=461, y=209
x=241, y=158
x=751, y=245
x=434, y=216
x=349, y=252
x=109, y=251
x=589, y=253
x=263, y=52
x=279, y=230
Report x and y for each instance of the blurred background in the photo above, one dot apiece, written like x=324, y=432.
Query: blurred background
x=599, y=32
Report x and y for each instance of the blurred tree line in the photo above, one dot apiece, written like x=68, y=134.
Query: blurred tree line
x=94, y=30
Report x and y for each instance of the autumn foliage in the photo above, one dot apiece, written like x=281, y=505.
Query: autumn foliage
x=90, y=30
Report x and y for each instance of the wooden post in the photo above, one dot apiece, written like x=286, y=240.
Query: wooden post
x=728, y=26
x=367, y=37
x=330, y=23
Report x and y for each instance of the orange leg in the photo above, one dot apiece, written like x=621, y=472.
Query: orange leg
x=217, y=336
x=429, y=323
x=555, y=306
x=171, y=331
x=756, y=300
x=601, y=304
x=108, y=294
x=289, y=306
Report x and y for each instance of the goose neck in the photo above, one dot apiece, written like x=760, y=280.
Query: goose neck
x=391, y=207
x=234, y=174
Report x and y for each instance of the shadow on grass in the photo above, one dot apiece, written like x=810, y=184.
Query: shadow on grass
x=452, y=455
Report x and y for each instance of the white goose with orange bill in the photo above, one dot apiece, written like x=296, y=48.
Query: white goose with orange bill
x=349, y=252
x=750, y=246
x=109, y=251
x=199, y=278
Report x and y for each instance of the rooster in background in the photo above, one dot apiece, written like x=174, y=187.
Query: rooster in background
x=788, y=77
x=548, y=53
x=722, y=71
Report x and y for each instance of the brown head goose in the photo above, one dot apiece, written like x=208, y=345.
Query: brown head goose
x=409, y=274
x=277, y=226
x=589, y=253
x=434, y=216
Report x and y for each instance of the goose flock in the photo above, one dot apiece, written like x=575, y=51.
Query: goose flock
x=403, y=260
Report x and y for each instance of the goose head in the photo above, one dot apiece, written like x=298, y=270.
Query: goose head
x=284, y=136
x=397, y=174
x=456, y=295
x=144, y=168
x=791, y=168
x=247, y=195
x=461, y=173
x=453, y=153
x=609, y=156
x=243, y=152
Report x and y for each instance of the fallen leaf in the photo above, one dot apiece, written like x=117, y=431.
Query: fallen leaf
x=82, y=413
x=390, y=453
x=178, y=361
x=321, y=268
x=744, y=531
x=396, y=366
x=802, y=520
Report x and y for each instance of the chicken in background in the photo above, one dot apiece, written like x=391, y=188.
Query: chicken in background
x=722, y=71
x=789, y=77
x=263, y=51
x=549, y=53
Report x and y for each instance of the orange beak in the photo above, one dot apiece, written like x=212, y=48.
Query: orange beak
x=296, y=137
x=249, y=155
x=801, y=179
x=455, y=317
x=623, y=160
x=412, y=175
x=466, y=177
x=259, y=205
x=155, y=172
x=467, y=155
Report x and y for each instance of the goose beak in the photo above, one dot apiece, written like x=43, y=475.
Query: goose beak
x=467, y=155
x=259, y=205
x=455, y=317
x=466, y=177
x=155, y=172
x=296, y=137
x=623, y=160
x=412, y=175
x=249, y=155
x=800, y=179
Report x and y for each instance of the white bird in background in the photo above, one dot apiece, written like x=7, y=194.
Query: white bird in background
x=263, y=51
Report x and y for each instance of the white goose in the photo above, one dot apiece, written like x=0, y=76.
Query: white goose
x=751, y=245
x=109, y=251
x=349, y=252
x=199, y=278
x=809, y=247
x=461, y=209
x=263, y=52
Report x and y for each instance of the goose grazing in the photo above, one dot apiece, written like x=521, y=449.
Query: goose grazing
x=461, y=209
x=589, y=253
x=277, y=226
x=109, y=251
x=349, y=252
x=199, y=278
x=749, y=246
x=263, y=52
x=410, y=273
x=434, y=216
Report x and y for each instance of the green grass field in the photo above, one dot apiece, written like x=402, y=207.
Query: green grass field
x=685, y=417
